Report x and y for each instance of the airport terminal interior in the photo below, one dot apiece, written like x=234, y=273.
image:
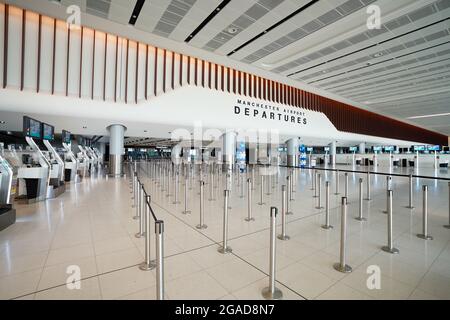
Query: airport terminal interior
x=224, y=150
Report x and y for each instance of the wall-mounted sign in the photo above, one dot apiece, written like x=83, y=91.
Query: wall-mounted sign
x=269, y=112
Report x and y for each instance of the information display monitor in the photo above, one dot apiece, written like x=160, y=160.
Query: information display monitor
x=31, y=128
x=48, y=132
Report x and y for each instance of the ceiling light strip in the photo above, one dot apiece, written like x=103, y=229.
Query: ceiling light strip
x=368, y=47
x=136, y=12
x=306, y=6
x=430, y=115
x=380, y=62
x=207, y=20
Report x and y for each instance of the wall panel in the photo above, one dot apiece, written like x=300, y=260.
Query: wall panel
x=113, y=68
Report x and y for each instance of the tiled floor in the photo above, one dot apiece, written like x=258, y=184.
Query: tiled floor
x=91, y=226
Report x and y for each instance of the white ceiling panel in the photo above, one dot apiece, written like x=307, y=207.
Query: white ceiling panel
x=401, y=70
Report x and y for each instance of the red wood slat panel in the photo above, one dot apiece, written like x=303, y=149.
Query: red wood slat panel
x=260, y=87
x=136, y=76
x=67, y=60
x=5, y=47
x=23, y=48
x=38, y=80
x=209, y=74
x=173, y=71
x=234, y=81
x=126, y=71
x=203, y=73
x=228, y=79
x=181, y=70
x=189, y=70
x=81, y=66
x=164, y=69
x=104, y=66
x=196, y=72
x=245, y=83
x=239, y=76
x=216, y=76
x=115, y=67
x=146, y=72
x=155, y=76
x=222, y=78
x=53, y=58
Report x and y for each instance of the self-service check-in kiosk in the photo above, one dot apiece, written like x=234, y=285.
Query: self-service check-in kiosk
x=84, y=162
x=56, y=182
x=71, y=163
x=7, y=213
x=34, y=168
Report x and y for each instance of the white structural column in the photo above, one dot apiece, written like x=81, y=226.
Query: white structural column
x=332, y=153
x=176, y=154
x=362, y=148
x=292, y=151
x=116, y=149
x=229, y=148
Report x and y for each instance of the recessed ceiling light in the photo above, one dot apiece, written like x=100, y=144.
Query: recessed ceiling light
x=232, y=30
x=377, y=55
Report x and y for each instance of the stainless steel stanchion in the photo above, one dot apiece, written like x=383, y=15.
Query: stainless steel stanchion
x=341, y=266
x=202, y=224
x=133, y=182
x=368, y=197
x=360, y=216
x=211, y=187
x=186, y=181
x=390, y=246
x=242, y=186
x=225, y=248
x=337, y=183
x=410, y=205
x=177, y=187
x=272, y=292
x=140, y=211
x=249, y=201
x=253, y=177
x=346, y=185
x=268, y=191
x=424, y=235
x=147, y=264
x=388, y=187
x=327, y=206
x=284, y=201
x=261, y=202
x=315, y=185
x=313, y=177
x=319, y=195
x=159, y=230
x=289, y=186
x=448, y=225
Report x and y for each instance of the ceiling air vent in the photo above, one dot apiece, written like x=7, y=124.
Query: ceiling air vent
x=99, y=8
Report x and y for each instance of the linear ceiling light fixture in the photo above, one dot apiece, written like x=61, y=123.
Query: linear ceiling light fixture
x=207, y=20
x=136, y=12
x=306, y=6
x=430, y=115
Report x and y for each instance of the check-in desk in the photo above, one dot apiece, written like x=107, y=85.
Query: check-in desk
x=36, y=182
x=7, y=212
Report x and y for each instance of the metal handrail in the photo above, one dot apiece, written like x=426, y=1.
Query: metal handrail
x=368, y=171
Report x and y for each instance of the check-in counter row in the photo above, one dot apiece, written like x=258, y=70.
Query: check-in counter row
x=399, y=160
